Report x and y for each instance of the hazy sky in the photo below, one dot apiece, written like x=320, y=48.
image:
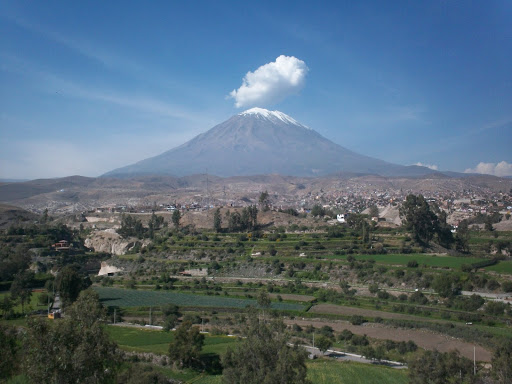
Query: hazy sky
x=89, y=86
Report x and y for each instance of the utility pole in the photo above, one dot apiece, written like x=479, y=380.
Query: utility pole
x=313, y=339
x=150, y=316
x=114, y=315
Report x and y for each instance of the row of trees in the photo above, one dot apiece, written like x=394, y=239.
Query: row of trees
x=247, y=220
x=133, y=227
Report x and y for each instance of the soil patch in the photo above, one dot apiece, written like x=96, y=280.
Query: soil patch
x=332, y=309
x=423, y=338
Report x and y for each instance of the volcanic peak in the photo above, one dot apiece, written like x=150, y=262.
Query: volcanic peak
x=272, y=116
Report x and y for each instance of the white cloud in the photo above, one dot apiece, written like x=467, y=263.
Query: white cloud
x=431, y=166
x=271, y=82
x=501, y=169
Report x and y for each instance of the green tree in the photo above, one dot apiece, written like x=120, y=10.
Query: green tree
x=186, y=345
x=264, y=201
x=235, y=222
x=155, y=223
x=69, y=284
x=264, y=356
x=131, y=227
x=443, y=285
x=73, y=350
x=462, y=237
x=21, y=287
x=444, y=231
x=264, y=301
x=176, y=218
x=8, y=352
x=488, y=224
x=323, y=343
x=6, y=305
x=217, y=221
x=418, y=218
x=502, y=362
x=171, y=314
x=317, y=210
x=374, y=211
x=434, y=367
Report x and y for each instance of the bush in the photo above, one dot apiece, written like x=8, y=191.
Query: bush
x=412, y=264
x=345, y=335
x=507, y=286
x=357, y=320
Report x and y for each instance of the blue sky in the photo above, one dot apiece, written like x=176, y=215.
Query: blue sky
x=87, y=87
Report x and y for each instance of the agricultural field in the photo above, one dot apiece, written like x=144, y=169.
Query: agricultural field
x=146, y=340
x=137, y=298
x=421, y=259
x=504, y=267
x=319, y=371
x=324, y=372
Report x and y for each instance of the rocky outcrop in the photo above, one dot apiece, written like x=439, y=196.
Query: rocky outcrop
x=109, y=241
x=109, y=270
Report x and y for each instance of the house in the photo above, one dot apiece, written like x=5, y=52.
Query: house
x=342, y=218
x=62, y=245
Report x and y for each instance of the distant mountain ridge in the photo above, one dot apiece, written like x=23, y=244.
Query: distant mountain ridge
x=259, y=141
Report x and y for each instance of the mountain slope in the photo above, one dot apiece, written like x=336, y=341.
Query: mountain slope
x=259, y=141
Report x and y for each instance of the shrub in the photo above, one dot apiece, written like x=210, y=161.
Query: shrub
x=357, y=320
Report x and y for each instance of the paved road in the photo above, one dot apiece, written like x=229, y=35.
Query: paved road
x=345, y=356
x=503, y=297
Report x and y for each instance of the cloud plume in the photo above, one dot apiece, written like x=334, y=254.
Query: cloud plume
x=271, y=82
x=431, y=166
x=501, y=169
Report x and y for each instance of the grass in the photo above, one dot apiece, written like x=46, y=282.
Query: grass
x=33, y=305
x=502, y=267
x=329, y=371
x=429, y=260
x=322, y=371
x=148, y=340
x=137, y=298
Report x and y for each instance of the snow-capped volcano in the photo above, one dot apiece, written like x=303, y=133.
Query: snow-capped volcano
x=272, y=116
x=259, y=141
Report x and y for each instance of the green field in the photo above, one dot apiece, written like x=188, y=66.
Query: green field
x=137, y=298
x=148, y=340
x=329, y=371
x=321, y=371
x=33, y=305
x=429, y=260
x=501, y=267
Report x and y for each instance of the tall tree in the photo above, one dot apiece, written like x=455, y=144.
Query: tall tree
x=444, y=231
x=155, y=223
x=418, y=218
x=9, y=359
x=186, y=345
x=74, y=350
x=69, y=284
x=264, y=356
x=264, y=200
x=21, y=287
x=217, y=221
x=462, y=237
x=176, y=218
x=502, y=362
x=434, y=367
x=374, y=211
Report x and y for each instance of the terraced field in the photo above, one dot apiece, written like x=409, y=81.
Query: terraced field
x=117, y=297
